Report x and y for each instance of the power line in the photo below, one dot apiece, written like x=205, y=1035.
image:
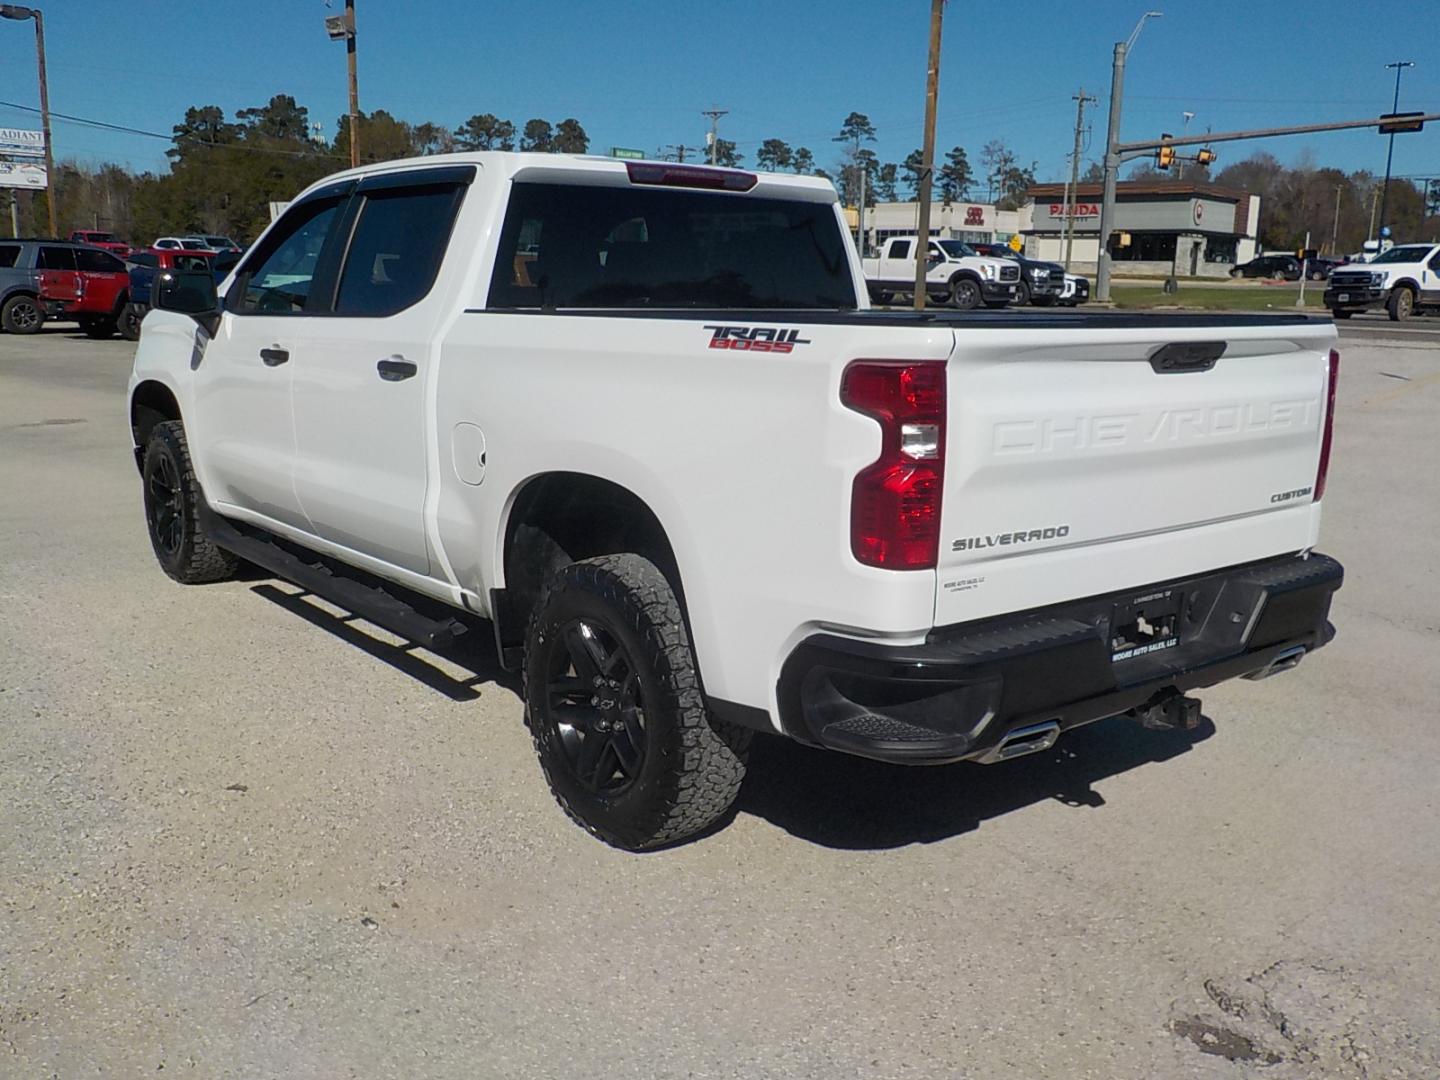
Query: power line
x=86, y=121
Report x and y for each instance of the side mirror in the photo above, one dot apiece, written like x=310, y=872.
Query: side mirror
x=188, y=292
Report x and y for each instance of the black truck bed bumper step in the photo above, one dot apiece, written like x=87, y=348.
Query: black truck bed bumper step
x=370, y=602
x=968, y=690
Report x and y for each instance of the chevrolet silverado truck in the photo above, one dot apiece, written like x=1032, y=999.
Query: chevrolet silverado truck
x=638, y=421
x=1402, y=281
x=954, y=274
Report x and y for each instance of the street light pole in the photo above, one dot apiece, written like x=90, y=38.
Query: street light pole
x=15, y=11
x=1112, y=157
x=1399, y=66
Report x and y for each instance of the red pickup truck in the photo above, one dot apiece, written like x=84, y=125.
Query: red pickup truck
x=85, y=284
x=95, y=238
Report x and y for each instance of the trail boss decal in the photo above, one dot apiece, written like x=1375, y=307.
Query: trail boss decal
x=756, y=338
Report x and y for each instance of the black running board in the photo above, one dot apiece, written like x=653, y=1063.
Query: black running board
x=373, y=604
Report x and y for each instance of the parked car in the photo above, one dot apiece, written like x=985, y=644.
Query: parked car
x=1041, y=283
x=44, y=280
x=954, y=274
x=927, y=539
x=142, y=267
x=1397, y=280
x=107, y=240
x=218, y=243
x=180, y=243
x=1274, y=267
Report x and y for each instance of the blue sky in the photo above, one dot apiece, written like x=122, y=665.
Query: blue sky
x=637, y=72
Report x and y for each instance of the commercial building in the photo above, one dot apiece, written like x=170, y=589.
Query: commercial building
x=1160, y=227
x=975, y=223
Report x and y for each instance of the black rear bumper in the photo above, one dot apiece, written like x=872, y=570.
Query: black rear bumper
x=962, y=691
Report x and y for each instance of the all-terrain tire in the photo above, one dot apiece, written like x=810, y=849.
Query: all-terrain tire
x=172, y=501
x=689, y=765
x=1022, y=294
x=1401, y=304
x=22, y=315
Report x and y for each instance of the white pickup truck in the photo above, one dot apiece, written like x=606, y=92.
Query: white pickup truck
x=640, y=417
x=1403, y=280
x=954, y=274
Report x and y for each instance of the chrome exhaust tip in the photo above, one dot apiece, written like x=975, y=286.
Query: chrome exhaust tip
x=1283, y=662
x=1030, y=739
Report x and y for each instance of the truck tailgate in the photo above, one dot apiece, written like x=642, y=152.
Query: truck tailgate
x=1075, y=465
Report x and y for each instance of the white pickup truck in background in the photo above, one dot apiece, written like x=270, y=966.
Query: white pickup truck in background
x=954, y=274
x=641, y=418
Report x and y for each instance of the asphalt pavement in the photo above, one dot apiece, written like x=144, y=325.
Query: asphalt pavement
x=242, y=836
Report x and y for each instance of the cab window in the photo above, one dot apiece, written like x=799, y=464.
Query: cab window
x=97, y=262
x=279, y=279
x=900, y=249
x=399, y=239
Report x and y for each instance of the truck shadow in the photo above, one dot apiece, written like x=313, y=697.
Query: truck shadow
x=460, y=671
x=851, y=803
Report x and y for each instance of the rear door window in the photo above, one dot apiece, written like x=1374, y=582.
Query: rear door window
x=142, y=258
x=97, y=262
x=56, y=258
x=900, y=249
x=571, y=246
x=9, y=255
x=396, y=247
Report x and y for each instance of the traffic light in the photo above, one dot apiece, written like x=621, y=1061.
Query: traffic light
x=1206, y=156
x=1165, y=156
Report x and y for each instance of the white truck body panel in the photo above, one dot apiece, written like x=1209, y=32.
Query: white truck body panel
x=746, y=458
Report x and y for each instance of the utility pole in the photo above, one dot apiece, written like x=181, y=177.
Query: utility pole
x=1335, y=229
x=1399, y=66
x=342, y=28
x=15, y=11
x=1374, y=202
x=354, y=86
x=679, y=150
x=927, y=155
x=1080, y=100
x=714, y=115
x=1112, y=156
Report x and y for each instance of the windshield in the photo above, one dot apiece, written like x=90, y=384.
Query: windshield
x=956, y=249
x=219, y=241
x=1402, y=255
x=98, y=237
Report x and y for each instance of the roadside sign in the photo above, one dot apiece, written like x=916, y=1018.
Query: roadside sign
x=20, y=142
x=625, y=152
x=1017, y=243
x=1392, y=123
x=22, y=174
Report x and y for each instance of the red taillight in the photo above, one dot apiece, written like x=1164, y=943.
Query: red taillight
x=895, y=503
x=1328, y=432
x=694, y=176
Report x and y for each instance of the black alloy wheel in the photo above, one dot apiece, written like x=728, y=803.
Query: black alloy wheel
x=165, y=506
x=965, y=294
x=595, y=707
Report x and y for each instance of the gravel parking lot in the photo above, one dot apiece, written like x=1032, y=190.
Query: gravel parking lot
x=243, y=837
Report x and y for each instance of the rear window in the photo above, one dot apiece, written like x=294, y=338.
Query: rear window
x=9, y=254
x=568, y=246
x=56, y=258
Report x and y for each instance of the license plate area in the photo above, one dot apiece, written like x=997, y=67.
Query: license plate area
x=1149, y=623
x=1344, y=296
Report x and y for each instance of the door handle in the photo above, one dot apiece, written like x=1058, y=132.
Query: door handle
x=274, y=356
x=396, y=368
